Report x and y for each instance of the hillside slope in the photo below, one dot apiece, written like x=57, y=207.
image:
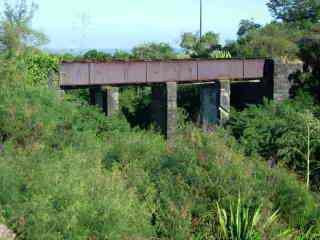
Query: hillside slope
x=68, y=172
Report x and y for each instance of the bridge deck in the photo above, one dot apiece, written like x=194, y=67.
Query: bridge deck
x=77, y=74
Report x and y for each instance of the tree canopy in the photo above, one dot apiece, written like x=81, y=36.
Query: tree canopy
x=200, y=47
x=149, y=51
x=295, y=10
x=15, y=30
x=246, y=26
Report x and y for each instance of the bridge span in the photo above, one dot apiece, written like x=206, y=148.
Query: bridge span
x=75, y=74
x=216, y=77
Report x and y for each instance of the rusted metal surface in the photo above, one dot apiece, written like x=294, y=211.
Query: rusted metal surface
x=171, y=71
x=111, y=73
x=75, y=74
x=136, y=72
x=220, y=70
x=252, y=67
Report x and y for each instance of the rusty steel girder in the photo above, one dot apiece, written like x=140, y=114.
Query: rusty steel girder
x=76, y=74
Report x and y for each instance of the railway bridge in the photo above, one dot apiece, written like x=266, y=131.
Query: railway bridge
x=246, y=80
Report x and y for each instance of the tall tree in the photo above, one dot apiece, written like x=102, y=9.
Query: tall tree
x=200, y=47
x=246, y=26
x=151, y=51
x=15, y=28
x=274, y=40
x=295, y=10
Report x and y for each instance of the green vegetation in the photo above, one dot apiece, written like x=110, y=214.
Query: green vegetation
x=68, y=172
x=155, y=51
x=80, y=175
x=239, y=223
x=285, y=133
x=97, y=55
x=296, y=11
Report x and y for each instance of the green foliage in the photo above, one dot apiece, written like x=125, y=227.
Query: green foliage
x=32, y=68
x=135, y=103
x=40, y=68
x=247, y=26
x=153, y=51
x=302, y=142
x=309, y=51
x=95, y=55
x=200, y=48
x=186, y=179
x=52, y=182
x=189, y=100
x=303, y=11
x=11, y=72
x=278, y=39
x=68, y=57
x=311, y=234
x=274, y=40
x=309, y=81
x=121, y=55
x=19, y=58
x=239, y=222
x=218, y=54
x=68, y=172
x=15, y=31
x=277, y=131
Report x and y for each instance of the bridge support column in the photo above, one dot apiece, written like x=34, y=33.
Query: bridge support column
x=225, y=93
x=164, y=108
x=209, y=109
x=282, y=82
x=106, y=98
x=215, y=103
x=112, y=101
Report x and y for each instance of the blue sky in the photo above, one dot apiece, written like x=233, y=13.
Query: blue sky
x=125, y=23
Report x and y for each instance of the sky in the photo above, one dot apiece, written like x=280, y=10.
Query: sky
x=122, y=24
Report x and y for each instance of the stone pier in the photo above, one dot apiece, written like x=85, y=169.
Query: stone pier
x=215, y=103
x=224, y=107
x=164, y=108
x=282, y=78
x=107, y=98
x=210, y=101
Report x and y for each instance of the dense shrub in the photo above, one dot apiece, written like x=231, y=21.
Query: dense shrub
x=96, y=55
x=40, y=68
x=188, y=178
x=309, y=53
x=153, y=51
x=67, y=172
x=33, y=68
x=278, y=132
x=52, y=183
x=135, y=103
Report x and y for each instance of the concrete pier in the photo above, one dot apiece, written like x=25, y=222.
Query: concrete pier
x=224, y=105
x=164, y=108
x=282, y=75
x=215, y=103
x=107, y=98
x=210, y=101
